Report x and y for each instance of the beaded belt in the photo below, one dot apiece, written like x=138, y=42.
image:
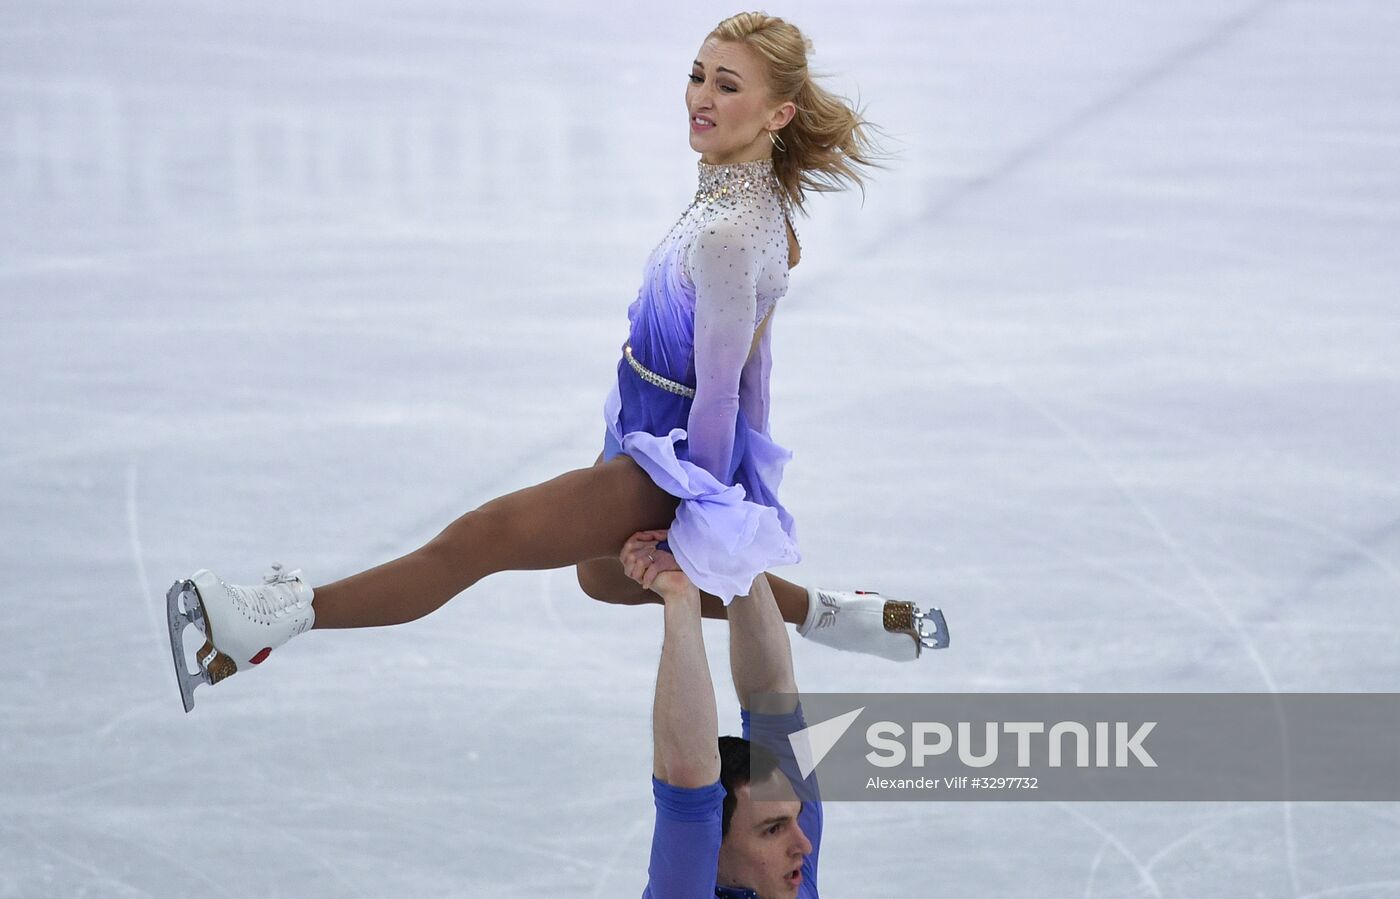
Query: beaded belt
x=652, y=377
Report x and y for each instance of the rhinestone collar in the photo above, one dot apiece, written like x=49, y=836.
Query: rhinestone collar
x=754, y=179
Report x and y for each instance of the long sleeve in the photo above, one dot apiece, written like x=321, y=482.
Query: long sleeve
x=685, y=841
x=753, y=383
x=725, y=263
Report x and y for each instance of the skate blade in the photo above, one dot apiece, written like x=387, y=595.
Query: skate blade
x=211, y=666
x=933, y=630
x=178, y=619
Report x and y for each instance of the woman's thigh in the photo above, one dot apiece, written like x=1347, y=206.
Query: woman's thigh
x=602, y=578
x=577, y=516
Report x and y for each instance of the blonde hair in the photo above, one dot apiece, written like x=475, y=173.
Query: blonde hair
x=827, y=138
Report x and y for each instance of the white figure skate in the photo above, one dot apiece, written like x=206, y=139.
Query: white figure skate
x=241, y=625
x=864, y=621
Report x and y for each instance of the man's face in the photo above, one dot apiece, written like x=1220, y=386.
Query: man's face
x=765, y=846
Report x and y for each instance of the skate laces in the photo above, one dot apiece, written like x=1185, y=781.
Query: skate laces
x=275, y=575
x=278, y=597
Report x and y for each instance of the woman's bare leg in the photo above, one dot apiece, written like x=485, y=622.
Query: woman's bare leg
x=602, y=579
x=577, y=516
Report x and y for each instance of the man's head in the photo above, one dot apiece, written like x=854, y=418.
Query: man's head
x=763, y=845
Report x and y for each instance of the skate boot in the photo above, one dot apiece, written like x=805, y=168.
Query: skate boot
x=864, y=621
x=241, y=625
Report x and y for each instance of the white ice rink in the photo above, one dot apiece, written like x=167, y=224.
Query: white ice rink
x=1106, y=366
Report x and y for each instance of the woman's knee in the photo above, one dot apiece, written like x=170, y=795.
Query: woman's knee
x=603, y=580
x=459, y=544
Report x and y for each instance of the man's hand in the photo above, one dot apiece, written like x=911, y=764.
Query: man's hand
x=655, y=569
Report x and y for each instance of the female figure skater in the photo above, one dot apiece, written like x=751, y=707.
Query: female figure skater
x=686, y=446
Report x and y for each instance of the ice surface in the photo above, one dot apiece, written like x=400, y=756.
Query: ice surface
x=1105, y=365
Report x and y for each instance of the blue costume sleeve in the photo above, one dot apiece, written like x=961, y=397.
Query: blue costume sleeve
x=685, y=842
x=772, y=732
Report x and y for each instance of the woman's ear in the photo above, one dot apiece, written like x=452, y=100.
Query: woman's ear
x=784, y=114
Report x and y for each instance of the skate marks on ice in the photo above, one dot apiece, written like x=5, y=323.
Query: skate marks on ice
x=184, y=617
x=1215, y=613
x=1168, y=540
x=634, y=844
x=138, y=559
x=137, y=856
x=1091, y=112
x=1144, y=872
x=177, y=638
x=1381, y=887
x=1193, y=841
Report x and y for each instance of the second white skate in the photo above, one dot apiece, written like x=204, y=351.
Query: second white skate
x=241, y=625
x=865, y=621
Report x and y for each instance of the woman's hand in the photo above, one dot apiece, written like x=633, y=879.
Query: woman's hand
x=655, y=569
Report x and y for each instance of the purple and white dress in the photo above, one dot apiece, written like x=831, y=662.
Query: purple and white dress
x=706, y=289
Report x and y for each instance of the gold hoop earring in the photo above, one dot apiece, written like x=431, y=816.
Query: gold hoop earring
x=777, y=141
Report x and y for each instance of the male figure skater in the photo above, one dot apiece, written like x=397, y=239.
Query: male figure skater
x=712, y=838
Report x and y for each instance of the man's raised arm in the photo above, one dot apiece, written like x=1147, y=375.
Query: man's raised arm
x=685, y=725
x=760, y=656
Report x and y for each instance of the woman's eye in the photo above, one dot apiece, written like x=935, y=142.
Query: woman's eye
x=727, y=88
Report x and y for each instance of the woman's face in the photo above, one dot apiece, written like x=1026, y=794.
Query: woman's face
x=730, y=108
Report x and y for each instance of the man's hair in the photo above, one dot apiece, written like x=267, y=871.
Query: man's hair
x=741, y=762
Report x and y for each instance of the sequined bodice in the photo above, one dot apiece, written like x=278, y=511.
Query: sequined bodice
x=706, y=288
x=746, y=200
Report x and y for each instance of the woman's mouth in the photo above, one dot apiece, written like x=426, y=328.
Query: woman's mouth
x=701, y=123
x=794, y=878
